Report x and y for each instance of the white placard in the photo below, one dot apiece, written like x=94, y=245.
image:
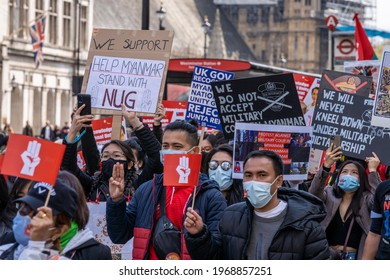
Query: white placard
x=133, y=82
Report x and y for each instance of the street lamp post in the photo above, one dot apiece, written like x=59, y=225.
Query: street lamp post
x=206, y=29
x=161, y=15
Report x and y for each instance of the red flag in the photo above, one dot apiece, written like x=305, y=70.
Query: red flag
x=37, y=32
x=182, y=170
x=364, y=50
x=32, y=158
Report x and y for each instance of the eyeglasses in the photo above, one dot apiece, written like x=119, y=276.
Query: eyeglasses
x=225, y=165
x=114, y=155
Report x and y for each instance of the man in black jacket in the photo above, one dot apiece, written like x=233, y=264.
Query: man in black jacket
x=274, y=223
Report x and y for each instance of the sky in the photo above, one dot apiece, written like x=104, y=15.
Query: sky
x=383, y=18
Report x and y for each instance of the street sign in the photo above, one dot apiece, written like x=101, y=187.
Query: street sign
x=346, y=46
x=331, y=22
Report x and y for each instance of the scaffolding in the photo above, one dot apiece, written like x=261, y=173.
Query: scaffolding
x=344, y=11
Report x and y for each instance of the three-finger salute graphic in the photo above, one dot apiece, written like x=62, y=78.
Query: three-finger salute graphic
x=31, y=158
x=183, y=170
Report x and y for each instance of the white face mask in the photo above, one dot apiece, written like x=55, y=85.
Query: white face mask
x=259, y=193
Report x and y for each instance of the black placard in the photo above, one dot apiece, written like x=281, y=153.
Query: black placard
x=266, y=100
x=348, y=115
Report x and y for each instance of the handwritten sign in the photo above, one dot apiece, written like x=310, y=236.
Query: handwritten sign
x=127, y=66
x=133, y=82
x=201, y=102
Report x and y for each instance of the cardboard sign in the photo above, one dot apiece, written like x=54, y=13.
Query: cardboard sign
x=127, y=66
x=291, y=143
x=134, y=82
x=182, y=170
x=349, y=115
x=381, y=112
x=201, y=102
x=33, y=158
x=102, y=129
x=267, y=100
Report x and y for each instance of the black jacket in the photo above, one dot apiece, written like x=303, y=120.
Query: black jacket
x=137, y=219
x=300, y=236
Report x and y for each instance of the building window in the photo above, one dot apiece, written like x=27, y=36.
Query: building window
x=296, y=47
x=251, y=15
x=18, y=24
x=308, y=2
x=53, y=22
x=83, y=26
x=278, y=12
x=307, y=47
x=67, y=23
x=264, y=14
x=38, y=8
x=263, y=55
x=297, y=1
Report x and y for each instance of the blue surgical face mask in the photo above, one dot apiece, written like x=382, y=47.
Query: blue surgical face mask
x=259, y=193
x=348, y=183
x=223, y=177
x=19, y=227
x=172, y=152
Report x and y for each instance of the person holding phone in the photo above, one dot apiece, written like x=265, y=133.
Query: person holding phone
x=348, y=201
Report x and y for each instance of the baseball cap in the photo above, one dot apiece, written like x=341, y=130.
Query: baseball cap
x=63, y=198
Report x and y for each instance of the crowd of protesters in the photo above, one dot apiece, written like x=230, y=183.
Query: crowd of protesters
x=340, y=212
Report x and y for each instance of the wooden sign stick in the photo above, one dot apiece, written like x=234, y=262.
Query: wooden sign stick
x=200, y=151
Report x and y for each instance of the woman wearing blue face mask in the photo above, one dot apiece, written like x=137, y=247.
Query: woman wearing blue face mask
x=218, y=165
x=348, y=201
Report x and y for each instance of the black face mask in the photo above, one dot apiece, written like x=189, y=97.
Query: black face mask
x=108, y=166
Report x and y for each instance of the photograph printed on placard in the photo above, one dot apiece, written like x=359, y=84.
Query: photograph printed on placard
x=382, y=105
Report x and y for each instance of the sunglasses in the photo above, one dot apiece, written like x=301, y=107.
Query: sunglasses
x=25, y=209
x=225, y=165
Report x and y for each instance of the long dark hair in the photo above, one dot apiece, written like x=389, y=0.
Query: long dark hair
x=82, y=214
x=235, y=193
x=131, y=176
x=355, y=205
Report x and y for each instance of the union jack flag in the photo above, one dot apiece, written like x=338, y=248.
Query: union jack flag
x=37, y=32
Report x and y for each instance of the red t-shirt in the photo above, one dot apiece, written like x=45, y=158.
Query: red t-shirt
x=176, y=200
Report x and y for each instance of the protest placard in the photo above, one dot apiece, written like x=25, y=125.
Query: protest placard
x=368, y=68
x=175, y=110
x=349, y=115
x=269, y=100
x=201, y=102
x=97, y=223
x=381, y=111
x=127, y=66
x=307, y=88
x=291, y=143
x=32, y=158
x=182, y=170
x=102, y=129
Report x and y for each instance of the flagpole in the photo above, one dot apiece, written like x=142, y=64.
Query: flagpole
x=29, y=24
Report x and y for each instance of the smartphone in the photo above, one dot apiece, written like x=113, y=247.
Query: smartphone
x=336, y=140
x=84, y=99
